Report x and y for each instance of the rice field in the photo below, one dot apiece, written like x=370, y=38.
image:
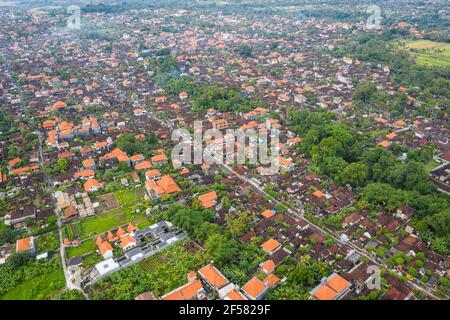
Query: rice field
x=430, y=53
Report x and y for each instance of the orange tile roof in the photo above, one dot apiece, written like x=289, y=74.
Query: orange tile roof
x=391, y=135
x=268, y=266
x=85, y=173
x=105, y=247
x=318, y=194
x=48, y=124
x=51, y=137
x=150, y=174
x=59, y=104
x=111, y=237
x=272, y=280
x=384, y=144
x=116, y=153
x=186, y=292
x=88, y=162
x=381, y=120
x=100, y=144
x=13, y=162
x=329, y=290
x=24, y=244
x=25, y=169
x=123, y=158
x=399, y=123
x=295, y=140
x=65, y=155
x=99, y=241
x=168, y=185
x=91, y=184
x=152, y=185
x=337, y=283
x=143, y=165
x=159, y=157
x=126, y=240
x=325, y=293
x=270, y=245
x=268, y=214
x=120, y=232
x=254, y=287
x=131, y=227
x=137, y=157
x=285, y=162
x=260, y=110
x=208, y=200
x=139, y=136
x=65, y=126
x=213, y=276
x=235, y=295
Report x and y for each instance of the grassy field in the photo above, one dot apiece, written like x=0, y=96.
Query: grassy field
x=106, y=221
x=91, y=259
x=432, y=165
x=430, y=53
x=47, y=242
x=127, y=197
x=144, y=223
x=85, y=247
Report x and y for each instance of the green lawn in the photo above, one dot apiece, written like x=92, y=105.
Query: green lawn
x=47, y=242
x=72, y=231
x=127, y=197
x=84, y=248
x=432, y=165
x=144, y=224
x=430, y=53
x=91, y=259
x=69, y=232
x=106, y=221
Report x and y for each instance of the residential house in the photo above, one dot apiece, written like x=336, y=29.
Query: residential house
x=208, y=200
x=255, y=289
x=159, y=160
x=213, y=277
x=193, y=290
x=92, y=185
x=127, y=242
x=270, y=246
x=26, y=245
x=334, y=287
x=105, y=248
x=164, y=186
